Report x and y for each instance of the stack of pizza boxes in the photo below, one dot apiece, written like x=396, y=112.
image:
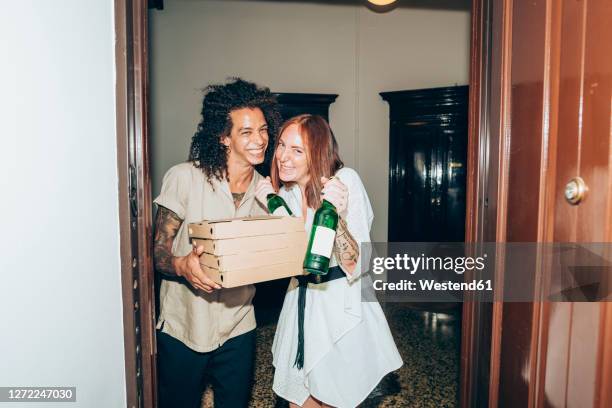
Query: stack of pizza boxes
x=242, y=251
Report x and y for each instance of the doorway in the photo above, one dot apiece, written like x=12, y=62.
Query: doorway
x=140, y=189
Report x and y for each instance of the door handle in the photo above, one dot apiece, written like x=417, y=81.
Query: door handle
x=575, y=190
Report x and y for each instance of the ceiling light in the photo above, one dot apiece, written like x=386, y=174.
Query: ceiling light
x=381, y=2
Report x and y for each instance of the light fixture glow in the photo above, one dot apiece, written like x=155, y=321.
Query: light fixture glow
x=381, y=2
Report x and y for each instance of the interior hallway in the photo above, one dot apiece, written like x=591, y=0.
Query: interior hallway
x=428, y=342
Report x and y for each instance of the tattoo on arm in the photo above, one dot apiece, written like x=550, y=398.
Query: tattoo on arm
x=346, y=248
x=167, y=224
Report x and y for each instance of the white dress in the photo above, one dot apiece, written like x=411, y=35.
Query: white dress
x=348, y=347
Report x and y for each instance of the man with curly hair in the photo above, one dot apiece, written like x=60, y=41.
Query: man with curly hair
x=203, y=330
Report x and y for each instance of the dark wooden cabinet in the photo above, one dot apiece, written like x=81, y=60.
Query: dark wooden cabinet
x=427, y=164
x=293, y=104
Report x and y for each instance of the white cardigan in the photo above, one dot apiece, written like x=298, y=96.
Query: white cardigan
x=343, y=336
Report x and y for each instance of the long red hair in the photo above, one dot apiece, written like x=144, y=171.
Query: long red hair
x=321, y=150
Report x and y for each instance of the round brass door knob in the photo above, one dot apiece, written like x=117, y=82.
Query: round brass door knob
x=575, y=190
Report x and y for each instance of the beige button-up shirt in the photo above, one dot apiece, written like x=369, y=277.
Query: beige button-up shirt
x=203, y=321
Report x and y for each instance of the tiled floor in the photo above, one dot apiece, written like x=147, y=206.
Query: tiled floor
x=428, y=343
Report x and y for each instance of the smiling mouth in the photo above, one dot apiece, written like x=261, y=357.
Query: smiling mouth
x=256, y=151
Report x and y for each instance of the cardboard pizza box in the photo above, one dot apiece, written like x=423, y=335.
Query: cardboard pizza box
x=247, y=276
x=233, y=246
x=245, y=227
x=255, y=258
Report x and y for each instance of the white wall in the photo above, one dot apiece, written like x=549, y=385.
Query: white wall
x=60, y=294
x=302, y=47
x=405, y=49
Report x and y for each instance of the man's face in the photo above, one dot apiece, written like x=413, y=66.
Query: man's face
x=249, y=136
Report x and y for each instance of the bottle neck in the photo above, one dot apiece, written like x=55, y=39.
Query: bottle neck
x=326, y=204
x=276, y=202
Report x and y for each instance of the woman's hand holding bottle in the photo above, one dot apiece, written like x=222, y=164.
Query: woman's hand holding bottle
x=336, y=192
x=264, y=192
x=263, y=189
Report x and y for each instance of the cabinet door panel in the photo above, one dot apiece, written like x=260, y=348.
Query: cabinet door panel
x=427, y=169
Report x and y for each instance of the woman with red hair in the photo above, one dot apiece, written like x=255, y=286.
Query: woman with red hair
x=330, y=348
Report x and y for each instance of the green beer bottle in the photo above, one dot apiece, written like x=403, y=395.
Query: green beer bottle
x=322, y=236
x=278, y=206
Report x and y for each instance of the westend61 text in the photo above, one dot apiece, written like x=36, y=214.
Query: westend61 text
x=430, y=284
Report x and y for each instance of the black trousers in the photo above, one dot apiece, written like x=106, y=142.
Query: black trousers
x=182, y=371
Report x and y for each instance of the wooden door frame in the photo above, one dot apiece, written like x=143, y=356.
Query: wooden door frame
x=135, y=201
x=131, y=55
x=487, y=191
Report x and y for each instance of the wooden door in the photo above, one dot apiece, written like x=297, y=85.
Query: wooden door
x=577, y=337
x=552, y=77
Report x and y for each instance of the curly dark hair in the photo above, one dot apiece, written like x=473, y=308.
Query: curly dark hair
x=207, y=152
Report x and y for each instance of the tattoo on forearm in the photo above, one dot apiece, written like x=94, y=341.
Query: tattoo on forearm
x=167, y=224
x=346, y=248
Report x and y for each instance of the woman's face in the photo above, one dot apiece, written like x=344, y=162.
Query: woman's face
x=291, y=156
